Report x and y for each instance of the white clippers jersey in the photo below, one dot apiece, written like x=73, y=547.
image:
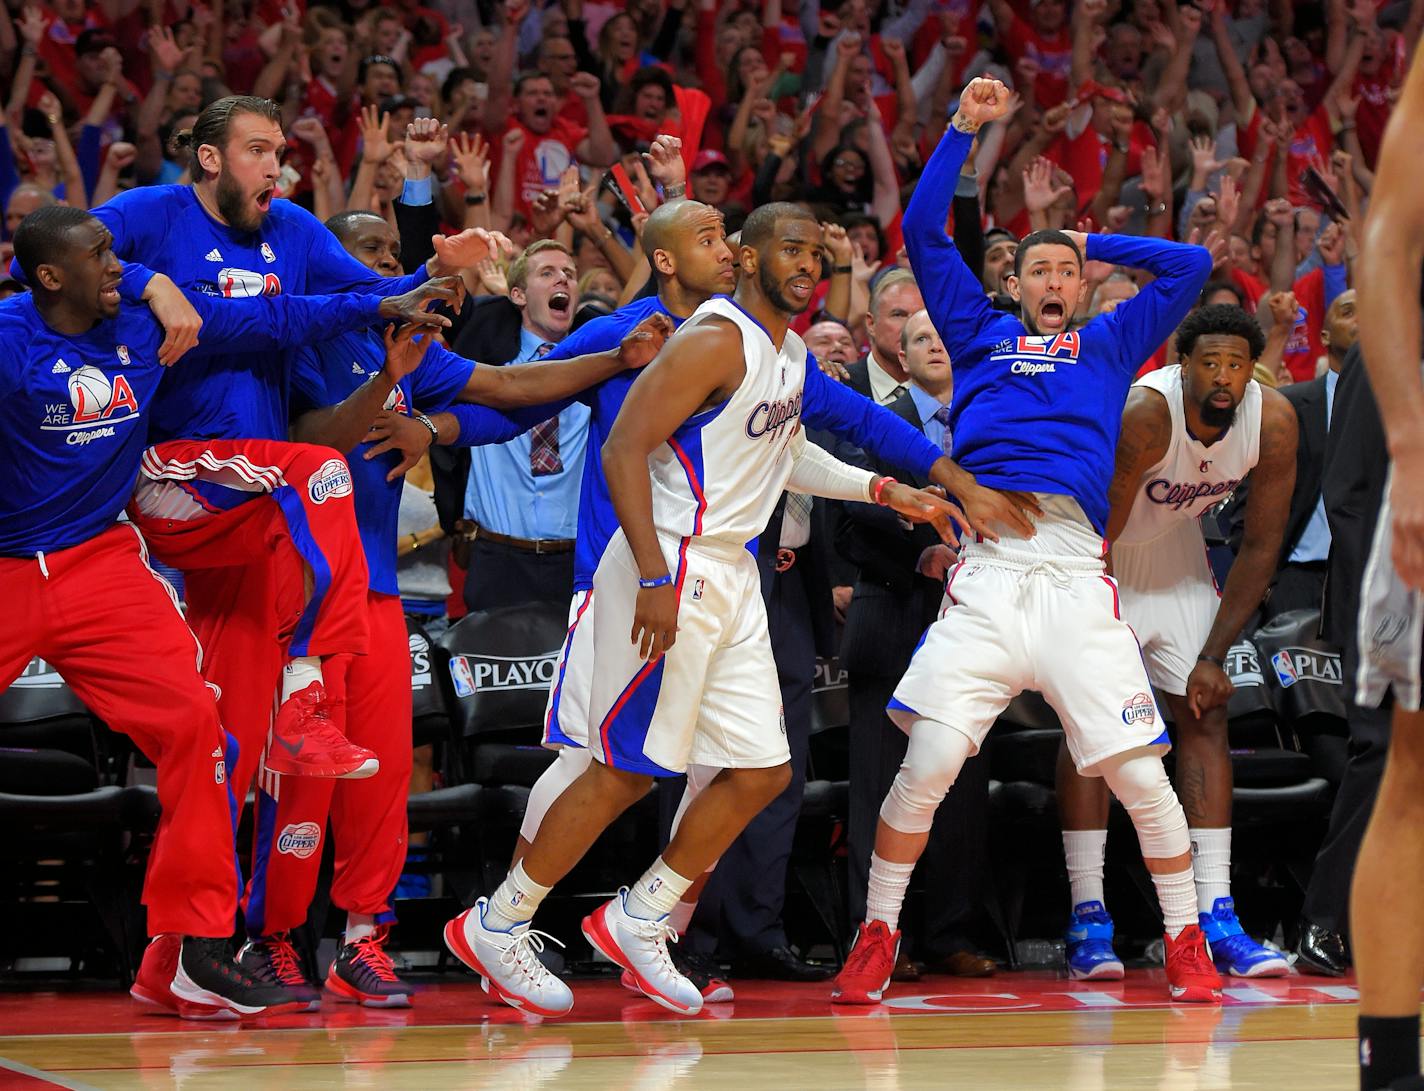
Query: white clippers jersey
x=722, y=472
x=1192, y=478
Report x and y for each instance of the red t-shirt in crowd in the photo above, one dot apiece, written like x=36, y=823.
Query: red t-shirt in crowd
x=1085, y=157
x=1304, y=346
x=1312, y=141
x=542, y=159
x=932, y=30
x=1375, y=105
x=1053, y=54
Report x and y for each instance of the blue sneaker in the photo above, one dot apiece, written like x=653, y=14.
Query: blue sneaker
x=1089, y=948
x=1233, y=951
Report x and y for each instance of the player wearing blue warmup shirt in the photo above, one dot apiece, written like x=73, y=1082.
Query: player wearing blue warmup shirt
x=76, y=387
x=1037, y=409
x=692, y=263
x=339, y=388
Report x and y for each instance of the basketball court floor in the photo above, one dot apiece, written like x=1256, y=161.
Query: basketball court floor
x=1018, y=1030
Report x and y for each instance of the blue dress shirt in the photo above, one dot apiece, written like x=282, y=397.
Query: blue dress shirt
x=1314, y=544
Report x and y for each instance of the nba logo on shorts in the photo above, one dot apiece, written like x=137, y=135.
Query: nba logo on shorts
x=1285, y=669
x=460, y=675
x=219, y=771
x=1138, y=709
x=697, y=588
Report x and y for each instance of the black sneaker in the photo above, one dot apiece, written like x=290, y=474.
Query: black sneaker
x=703, y=972
x=207, y=974
x=364, y=974
x=274, y=959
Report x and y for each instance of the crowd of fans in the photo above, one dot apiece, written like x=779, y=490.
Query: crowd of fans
x=1250, y=127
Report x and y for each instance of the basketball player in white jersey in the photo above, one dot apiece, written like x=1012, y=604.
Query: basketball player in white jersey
x=1190, y=434
x=695, y=464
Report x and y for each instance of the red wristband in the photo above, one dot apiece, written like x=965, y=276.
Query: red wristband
x=879, y=489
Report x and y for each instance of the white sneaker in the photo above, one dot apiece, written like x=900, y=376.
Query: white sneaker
x=640, y=947
x=508, y=962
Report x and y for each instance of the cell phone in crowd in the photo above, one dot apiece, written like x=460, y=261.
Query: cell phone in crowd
x=623, y=186
x=1320, y=189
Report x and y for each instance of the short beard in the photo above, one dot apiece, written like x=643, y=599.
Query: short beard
x=233, y=207
x=772, y=290
x=1216, y=417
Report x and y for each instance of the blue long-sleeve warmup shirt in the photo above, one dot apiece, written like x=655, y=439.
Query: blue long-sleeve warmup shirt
x=1041, y=413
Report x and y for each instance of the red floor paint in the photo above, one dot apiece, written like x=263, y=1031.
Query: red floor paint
x=459, y=1001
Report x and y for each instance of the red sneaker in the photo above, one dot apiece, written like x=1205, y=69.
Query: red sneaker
x=154, y=983
x=868, y=967
x=307, y=743
x=1191, y=976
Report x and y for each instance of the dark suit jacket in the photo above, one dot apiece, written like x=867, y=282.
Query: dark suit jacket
x=814, y=560
x=487, y=330
x=1356, y=462
x=892, y=604
x=1308, y=401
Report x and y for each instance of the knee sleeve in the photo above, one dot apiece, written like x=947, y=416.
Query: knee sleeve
x=936, y=754
x=698, y=778
x=1141, y=786
x=567, y=768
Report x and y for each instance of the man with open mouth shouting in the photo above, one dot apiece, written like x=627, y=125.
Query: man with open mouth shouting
x=1037, y=409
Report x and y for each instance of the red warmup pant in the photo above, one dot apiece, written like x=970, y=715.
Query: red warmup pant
x=111, y=626
x=265, y=535
x=368, y=817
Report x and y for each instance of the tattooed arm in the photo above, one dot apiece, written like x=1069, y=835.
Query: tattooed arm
x=1146, y=431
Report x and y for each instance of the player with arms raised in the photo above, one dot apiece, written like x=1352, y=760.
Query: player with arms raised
x=1037, y=408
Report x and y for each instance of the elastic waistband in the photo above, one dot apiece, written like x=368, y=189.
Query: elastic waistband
x=1020, y=560
x=719, y=549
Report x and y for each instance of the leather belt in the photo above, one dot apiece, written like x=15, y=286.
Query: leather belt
x=538, y=546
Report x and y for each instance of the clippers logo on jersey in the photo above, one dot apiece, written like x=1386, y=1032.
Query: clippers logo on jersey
x=1139, y=709
x=1180, y=494
x=95, y=404
x=1306, y=665
x=771, y=418
x=299, y=839
x=333, y=479
x=1035, y=354
x=245, y=284
x=395, y=401
x=1205, y=465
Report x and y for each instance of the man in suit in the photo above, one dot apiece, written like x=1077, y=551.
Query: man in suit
x=1356, y=461
x=1300, y=582
x=880, y=376
x=897, y=594
x=521, y=497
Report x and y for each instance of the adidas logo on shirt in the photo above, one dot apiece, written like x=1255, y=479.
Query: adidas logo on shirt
x=356, y=369
x=213, y=255
x=60, y=368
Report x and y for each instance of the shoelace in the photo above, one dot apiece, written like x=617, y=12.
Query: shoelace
x=285, y=966
x=659, y=934
x=1051, y=569
x=859, y=959
x=523, y=954
x=1194, y=958
x=371, y=954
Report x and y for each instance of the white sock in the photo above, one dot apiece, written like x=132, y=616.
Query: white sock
x=1084, y=851
x=1177, y=895
x=681, y=916
x=656, y=893
x=359, y=926
x=1211, y=864
x=886, y=893
x=300, y=672
x=515, y=902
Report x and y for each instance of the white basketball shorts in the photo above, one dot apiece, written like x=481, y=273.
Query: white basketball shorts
x=713, y=699
x=1036, y=615
x=566, y=714
x=1169, y=598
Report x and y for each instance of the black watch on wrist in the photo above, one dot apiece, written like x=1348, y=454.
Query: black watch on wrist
x=473, y=199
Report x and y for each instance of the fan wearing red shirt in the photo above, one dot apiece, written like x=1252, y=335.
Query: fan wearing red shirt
x=551, y=142
x=1378, y=76
x=1044, y=38
x=1085, y=156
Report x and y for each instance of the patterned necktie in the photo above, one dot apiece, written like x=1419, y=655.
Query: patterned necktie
x=895, y=394
x=942, y=415
x=544, y=439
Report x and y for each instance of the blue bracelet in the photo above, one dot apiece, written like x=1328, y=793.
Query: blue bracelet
x=661, y=581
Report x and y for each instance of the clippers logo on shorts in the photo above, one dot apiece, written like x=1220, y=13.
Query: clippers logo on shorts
x=245, y=284
x=299, y=839
x=333, y=479
x=1180, y=494
x=1037, y=354
x=1306, y=665
x=96, y=403
x=771, y=418
x=1139, y=709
